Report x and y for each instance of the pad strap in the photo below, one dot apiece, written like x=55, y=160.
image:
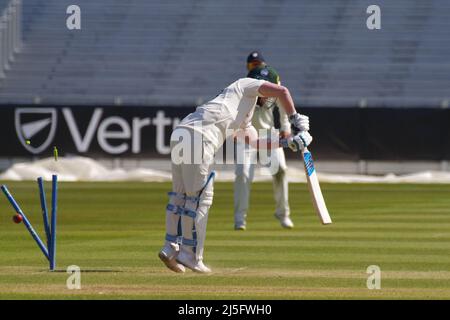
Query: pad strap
x=188, y=242
x=189, y=213
x=174, y=209
x=171, y=238
x=192, y=199
x=180, y=196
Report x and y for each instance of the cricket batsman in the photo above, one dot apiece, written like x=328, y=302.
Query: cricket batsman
x=205, y=130
x=263, y=121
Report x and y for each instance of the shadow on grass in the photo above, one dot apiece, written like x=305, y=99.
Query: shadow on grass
x=86, y=271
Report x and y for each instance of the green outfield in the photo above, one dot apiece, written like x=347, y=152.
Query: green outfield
x=113, y=232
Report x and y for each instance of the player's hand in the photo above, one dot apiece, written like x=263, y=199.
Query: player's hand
x=299, y=123
x=297, y=142
x=284, y=134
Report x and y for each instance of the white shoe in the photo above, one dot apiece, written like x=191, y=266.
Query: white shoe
x=168, y=255
x=188, y=259
x=285, y=222
x=240, y=226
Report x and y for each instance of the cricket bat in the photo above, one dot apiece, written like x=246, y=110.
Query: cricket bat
x=314, y=188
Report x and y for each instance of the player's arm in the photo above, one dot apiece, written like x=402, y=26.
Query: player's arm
x=282, y=93
x=285, y=126
x=249, y=136
x=300, y=123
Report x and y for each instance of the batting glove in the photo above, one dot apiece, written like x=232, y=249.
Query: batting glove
x=297, y=142
x=299, y=123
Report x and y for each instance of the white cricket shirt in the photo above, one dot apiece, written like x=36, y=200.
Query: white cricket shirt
x=232, y=109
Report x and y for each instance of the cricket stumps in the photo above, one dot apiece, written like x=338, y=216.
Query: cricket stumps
x=48, y=249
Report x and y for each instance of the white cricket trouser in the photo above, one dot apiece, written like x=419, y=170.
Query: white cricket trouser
x=244, y=177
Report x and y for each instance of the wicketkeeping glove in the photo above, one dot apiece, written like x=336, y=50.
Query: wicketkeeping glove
x=297, y=142
x=299, y=123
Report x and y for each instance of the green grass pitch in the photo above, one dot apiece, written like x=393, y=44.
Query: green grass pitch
x=113, y=232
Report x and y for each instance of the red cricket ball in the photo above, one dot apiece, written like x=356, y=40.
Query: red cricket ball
x=18, y=218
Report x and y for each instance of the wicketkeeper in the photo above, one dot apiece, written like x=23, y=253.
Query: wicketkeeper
x=205, y=130
x=263, y=121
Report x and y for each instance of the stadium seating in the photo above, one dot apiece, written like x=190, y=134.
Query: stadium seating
x=10, y=33
x=160, y=53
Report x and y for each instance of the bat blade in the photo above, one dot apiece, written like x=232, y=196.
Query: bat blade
x=314, y=188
